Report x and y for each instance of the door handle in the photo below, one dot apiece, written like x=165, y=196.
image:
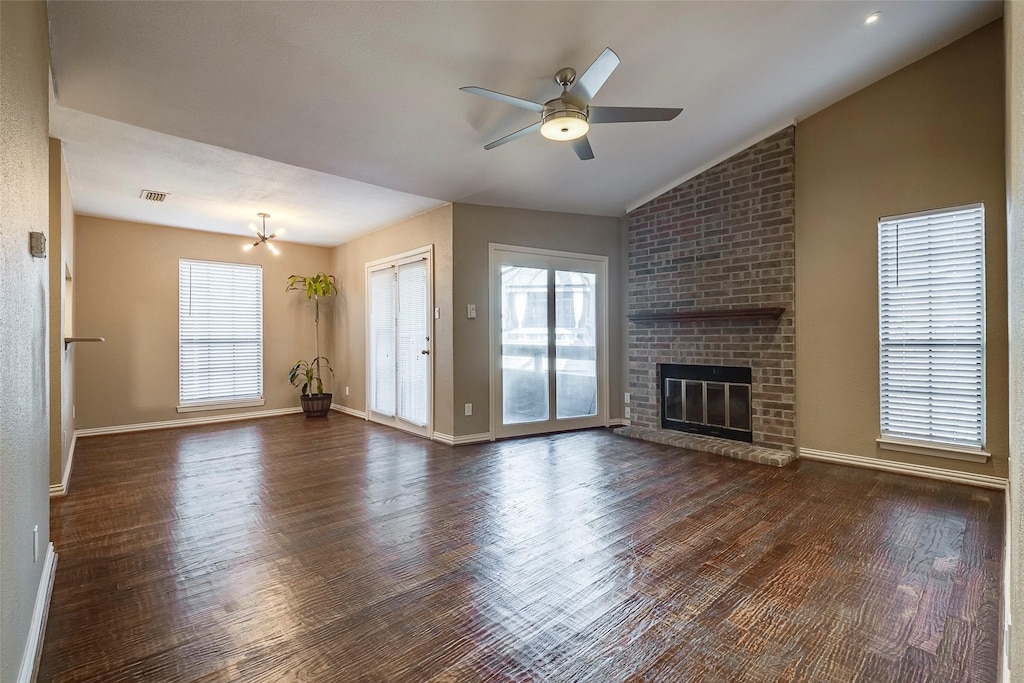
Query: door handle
x=425, y=352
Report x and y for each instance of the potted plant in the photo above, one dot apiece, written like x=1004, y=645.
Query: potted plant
x=306, y=374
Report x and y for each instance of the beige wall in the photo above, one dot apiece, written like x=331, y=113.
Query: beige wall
x=349, y=262
x=126, y=290
x=475, y=227
x=1014, y=32
x=24, y=403
x=928, y=136
x=61, y=263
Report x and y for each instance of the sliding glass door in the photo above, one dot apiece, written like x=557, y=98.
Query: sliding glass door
x=548, y=350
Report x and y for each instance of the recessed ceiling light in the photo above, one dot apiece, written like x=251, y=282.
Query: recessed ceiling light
x=872, y=18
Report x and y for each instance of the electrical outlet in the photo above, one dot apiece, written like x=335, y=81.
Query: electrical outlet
x=437, y=313
x=346, y=391
x=35, y=543
x=470, y=310
x=627, y=397
x=469, y=409
x=627, y=412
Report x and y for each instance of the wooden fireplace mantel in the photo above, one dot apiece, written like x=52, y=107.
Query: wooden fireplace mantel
x=709, y=314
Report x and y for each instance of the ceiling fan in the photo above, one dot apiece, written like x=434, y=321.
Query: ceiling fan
x=568, y=117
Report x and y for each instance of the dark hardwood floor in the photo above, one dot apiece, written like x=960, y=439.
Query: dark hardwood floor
x=288, y=549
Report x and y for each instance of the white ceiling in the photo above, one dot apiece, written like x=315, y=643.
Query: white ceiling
x=215, y=189
x=342, y=117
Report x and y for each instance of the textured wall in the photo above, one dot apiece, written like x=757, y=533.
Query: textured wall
x=1014, y=32
x=475, y=227
x=897, y=146
x=126, y=290
x=24, y=446
x=724, y=239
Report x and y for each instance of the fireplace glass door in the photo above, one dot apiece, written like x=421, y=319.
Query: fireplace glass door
x=707, y=399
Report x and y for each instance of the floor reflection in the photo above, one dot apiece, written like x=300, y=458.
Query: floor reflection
x=395, y=485
x=543, y=560
x=219, y=539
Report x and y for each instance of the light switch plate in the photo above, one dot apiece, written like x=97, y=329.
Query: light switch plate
x=470, y=310
x=37, y=244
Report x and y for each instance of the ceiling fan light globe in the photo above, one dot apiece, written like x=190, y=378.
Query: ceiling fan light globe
x=564, y=124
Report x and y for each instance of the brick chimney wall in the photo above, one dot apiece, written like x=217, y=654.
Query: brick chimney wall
x=724, y=239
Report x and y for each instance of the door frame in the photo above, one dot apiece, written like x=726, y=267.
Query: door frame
x=494, y=257
x=427, y=253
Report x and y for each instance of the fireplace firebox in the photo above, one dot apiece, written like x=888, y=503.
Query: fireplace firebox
x=712, y=400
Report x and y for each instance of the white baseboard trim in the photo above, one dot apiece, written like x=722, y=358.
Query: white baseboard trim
x=61, y=489
x=37, y=627
x=983, y=480
x=184, y=422
x=450, y=440
x=349, y=411
x=619, y=422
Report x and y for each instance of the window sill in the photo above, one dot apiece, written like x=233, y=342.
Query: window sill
x=220, y=405
x=934, y=449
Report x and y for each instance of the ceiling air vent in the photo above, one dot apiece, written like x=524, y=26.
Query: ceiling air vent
x=154, y=196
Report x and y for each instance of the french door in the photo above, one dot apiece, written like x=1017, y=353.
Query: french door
x=399, y=369
x=548, y=341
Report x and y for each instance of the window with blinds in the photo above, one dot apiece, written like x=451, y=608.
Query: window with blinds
x=931, y=285
x=220, y=334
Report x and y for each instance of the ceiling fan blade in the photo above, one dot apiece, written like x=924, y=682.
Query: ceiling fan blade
x=513, y=136
x=587, y=85
x=507, y=99
x=582, y=148
x=631, y=114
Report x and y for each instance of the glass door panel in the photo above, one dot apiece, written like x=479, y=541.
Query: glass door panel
x=575, y=344
x=382, y=342
x=524, y=344
x=413, y=337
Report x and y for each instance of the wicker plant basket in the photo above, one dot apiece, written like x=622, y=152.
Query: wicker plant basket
x=316, y=405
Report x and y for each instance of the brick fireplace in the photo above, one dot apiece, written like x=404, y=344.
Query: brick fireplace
x=711, y=282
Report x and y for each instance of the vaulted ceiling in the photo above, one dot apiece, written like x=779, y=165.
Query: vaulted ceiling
x=342, y=117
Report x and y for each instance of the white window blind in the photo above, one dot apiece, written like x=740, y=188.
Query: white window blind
x=932, y=326
x=220, y=332
x=412, y=340
x=382, y=341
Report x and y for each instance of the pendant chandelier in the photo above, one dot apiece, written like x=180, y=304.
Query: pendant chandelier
x=262, y=237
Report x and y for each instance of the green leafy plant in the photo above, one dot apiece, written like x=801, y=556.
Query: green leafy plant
x=307, y=374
